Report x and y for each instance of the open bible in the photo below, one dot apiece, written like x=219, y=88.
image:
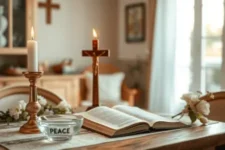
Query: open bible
x=126, y=120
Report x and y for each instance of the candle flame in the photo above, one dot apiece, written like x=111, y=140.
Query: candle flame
x=32, y=33
x=94, y=33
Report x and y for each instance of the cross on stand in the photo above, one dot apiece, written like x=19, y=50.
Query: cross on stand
x=95, y=54
x=49, y=6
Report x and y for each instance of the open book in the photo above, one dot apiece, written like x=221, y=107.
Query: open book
x=124, y=120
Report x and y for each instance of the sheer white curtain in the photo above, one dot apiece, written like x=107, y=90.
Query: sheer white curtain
x=163, y=64
x=171, y=73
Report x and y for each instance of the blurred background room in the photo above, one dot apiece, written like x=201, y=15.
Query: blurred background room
x=159, y=49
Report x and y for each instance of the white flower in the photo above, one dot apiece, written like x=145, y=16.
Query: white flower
x=15, y=113
x=42, y=101
x=16, y=116
x=187, y=96
x=211, y=95
x=203, y=120
x=17, y=110
x=63, y=105
x=22, y=105
x=68, y=111
x=12, y=111
x=48, y=112
x=203, y=107
x=17, y=107
x=191, y=99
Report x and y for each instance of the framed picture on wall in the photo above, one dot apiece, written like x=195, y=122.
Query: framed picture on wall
x=135, y=22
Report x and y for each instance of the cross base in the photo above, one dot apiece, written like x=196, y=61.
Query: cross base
x=92, y=107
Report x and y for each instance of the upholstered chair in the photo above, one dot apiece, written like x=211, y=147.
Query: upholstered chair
x=9, y=96
x=217, y=109
x=127, y=95
x=217, y=106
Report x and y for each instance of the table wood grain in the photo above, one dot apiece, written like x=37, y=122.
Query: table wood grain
x=202, y=137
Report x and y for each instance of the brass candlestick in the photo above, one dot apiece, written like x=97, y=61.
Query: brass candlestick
x=33, y=107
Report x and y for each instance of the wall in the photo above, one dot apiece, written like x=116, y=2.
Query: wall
x=129, y=51
x=134, y=55
x=71, y=30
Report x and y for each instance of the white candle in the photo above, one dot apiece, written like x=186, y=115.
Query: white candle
x=32, y=57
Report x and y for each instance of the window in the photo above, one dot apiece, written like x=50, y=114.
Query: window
x=212, y=31
x=199, y=45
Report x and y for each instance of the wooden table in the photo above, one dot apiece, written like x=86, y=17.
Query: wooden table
x=193, y=138
x=203, y=137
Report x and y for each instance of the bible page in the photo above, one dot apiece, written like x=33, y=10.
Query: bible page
x=110, y=118
x=142, y=114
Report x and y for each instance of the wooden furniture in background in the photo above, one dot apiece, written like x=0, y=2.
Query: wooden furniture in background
x=66, y=86
x=30, y=12
x=59, y=68
x=48, y=6
x=63, y=87
x=11, y=95
x=14, y=90
x=217, y=105
x=126, y=93
x=195, y=138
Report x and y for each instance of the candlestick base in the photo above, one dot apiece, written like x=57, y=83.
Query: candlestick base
x=33, y=106
x=30, y=127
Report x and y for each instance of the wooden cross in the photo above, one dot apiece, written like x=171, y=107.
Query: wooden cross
x=95, y=54
x=49, y=6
